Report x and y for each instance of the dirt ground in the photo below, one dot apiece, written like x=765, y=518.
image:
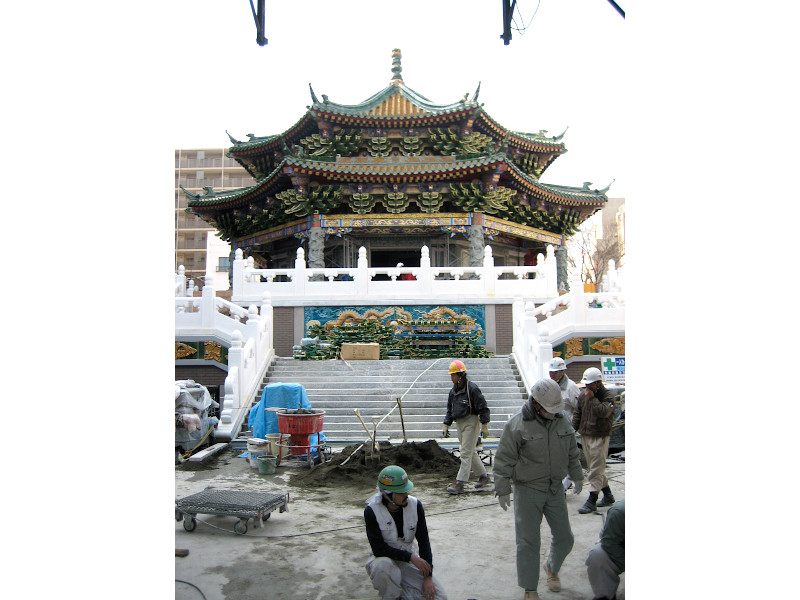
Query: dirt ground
x=317, y=549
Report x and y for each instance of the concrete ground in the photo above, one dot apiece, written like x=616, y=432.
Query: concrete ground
x=317, y=549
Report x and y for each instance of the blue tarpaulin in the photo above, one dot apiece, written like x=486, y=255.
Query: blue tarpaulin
x=279, y=395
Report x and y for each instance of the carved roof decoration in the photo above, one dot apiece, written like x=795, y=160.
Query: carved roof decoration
x=397, y=152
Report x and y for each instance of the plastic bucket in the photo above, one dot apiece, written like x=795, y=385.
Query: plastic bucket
x=273, y=439
x=257, y=447
x=267, y=464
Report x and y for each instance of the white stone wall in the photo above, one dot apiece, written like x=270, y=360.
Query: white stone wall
x=216, y=248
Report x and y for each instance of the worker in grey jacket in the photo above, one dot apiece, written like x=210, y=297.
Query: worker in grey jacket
x=607, y=559
x=537, y=449
x=570, y=394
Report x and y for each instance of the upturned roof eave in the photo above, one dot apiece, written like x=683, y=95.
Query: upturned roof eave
x=567, y=195
x=230, y=198
x=270, y=140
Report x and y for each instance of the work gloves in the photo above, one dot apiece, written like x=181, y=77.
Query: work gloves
x=485, y=430
x=578, y=486
x=504, y=501
x=446, y=431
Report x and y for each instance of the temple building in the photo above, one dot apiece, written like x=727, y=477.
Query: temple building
x=392, y=174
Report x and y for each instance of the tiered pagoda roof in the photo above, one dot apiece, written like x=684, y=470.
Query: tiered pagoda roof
x=397, y=154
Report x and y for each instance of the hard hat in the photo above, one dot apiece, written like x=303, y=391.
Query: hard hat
x=591, y=375
x=547, y=393
x=558, y=364
x=394, y=479
x=457, y=367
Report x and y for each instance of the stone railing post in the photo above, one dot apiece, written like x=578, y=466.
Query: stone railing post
x=544, y=351
x=425, y=272
x=237, y=278
x=208, y=306
x=362, y=273
x=529, y=326
x=551, y=272
x=235, y=359
x=265, y=329
x=517, y=331
x=180, y=281
x=299, y=276
x=489, y=274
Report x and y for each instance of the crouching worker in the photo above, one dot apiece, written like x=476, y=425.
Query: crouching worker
x=394, y=520
x=607, y=559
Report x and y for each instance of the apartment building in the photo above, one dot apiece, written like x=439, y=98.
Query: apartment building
x=194, y=170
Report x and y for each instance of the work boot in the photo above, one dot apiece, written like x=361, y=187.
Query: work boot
x=589, y=506
x=456, y=488
x=483, y=480
x=531, y=595
x=553, y=582
x=608, y=500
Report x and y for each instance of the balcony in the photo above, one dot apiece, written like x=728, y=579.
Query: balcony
x=199, y=183
x=191, y=245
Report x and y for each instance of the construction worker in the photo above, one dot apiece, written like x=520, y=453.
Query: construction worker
x=467, y=407
x=394, y=520
x=536, y=450
x=569, y=392
x=607, y=559
x=593, y=418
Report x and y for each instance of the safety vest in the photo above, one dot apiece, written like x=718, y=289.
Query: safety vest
x=388, y=526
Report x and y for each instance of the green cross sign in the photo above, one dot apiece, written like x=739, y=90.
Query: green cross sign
x=609, y=364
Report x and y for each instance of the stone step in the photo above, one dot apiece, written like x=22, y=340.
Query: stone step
x=338, y=387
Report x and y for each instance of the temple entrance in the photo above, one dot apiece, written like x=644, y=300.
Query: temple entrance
x=390, y=258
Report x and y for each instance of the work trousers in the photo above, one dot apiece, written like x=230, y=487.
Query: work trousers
x=595, y=450
x=469, y=428
x=397, y=579
x=603, y=573
x=529, y=507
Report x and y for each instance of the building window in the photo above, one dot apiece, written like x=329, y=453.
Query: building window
x=200, y=175
x=201, y=154
x=224, y=264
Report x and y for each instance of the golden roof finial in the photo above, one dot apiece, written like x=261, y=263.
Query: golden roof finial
x=396, y=68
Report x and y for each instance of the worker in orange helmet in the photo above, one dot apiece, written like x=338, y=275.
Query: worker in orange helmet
x=467, y=407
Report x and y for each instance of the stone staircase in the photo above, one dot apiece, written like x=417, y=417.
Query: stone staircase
x=372, y=387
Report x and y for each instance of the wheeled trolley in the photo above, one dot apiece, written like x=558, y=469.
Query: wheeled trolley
x=230, y=503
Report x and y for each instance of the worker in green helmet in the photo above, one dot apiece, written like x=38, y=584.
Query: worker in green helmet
x=393, y=521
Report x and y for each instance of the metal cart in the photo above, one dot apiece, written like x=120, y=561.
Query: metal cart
x=230, y=503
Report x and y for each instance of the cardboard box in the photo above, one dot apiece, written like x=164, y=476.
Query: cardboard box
x=360, y=352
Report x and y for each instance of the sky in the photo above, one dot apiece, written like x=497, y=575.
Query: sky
x=565, y=72
x=691, y=107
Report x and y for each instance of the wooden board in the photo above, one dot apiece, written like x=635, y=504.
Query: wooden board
x=208, y=452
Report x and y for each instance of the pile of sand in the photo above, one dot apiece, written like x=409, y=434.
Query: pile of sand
x=361, y=467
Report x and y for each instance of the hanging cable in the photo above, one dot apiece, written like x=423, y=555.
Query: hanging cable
x=514, y=20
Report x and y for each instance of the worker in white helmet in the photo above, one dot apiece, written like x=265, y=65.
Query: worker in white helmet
x=537, y=449
x=569, y=392
x=593, y=419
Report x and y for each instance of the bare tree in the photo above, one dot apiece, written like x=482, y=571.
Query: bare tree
x=589, y=255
